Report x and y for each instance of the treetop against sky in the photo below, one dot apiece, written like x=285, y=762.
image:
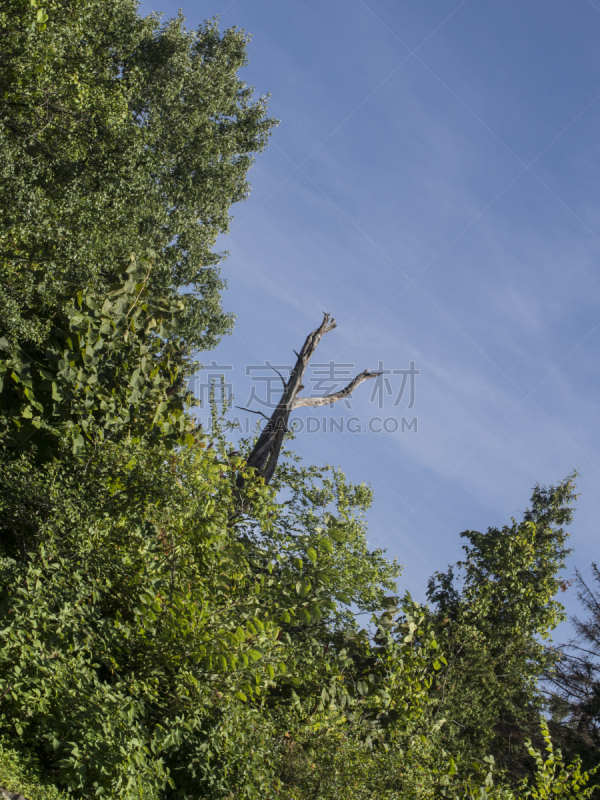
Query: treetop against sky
x=433, y=182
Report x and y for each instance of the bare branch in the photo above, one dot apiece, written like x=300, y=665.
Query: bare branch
x=301, y=402
x=252, y=411
x=266, y=451
x=279, y=373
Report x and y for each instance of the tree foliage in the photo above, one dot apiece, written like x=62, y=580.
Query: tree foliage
x=573, y=684
x=492, y=626
x=118, y=134
x=152, y=639
x=170, y=626
x=110, y=366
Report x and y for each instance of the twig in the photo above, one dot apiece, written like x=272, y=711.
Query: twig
x=252, y=411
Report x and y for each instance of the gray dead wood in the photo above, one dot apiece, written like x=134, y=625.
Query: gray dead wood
x=265, y=454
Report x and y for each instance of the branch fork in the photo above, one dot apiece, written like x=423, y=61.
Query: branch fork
x=266, y=451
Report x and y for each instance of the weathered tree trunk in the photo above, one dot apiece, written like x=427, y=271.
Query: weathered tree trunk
x=265, y=454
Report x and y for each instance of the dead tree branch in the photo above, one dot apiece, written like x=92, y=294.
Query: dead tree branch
x=266, y=451
x=300, y=402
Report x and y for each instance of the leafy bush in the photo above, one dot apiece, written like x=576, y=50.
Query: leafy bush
x=22, y=773
x=160, y=624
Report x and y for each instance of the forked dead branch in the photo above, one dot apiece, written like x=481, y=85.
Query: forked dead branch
x=265, y=454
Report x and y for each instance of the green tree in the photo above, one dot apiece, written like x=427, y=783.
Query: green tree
x=169, y=625
x=110, y=367
x=118, y=134
x=162, y=625
x=573, y=684
x=135, y=631
x=492, y=625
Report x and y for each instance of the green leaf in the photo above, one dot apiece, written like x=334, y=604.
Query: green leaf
x=304, y=614
x=240, y=635
x=254, y=654
x=78, y=445
x=326, y=545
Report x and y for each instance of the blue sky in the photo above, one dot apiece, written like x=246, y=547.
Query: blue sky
x=435, y=184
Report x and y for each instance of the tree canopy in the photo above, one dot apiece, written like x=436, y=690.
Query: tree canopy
x=179, y=617
x=118, y=134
